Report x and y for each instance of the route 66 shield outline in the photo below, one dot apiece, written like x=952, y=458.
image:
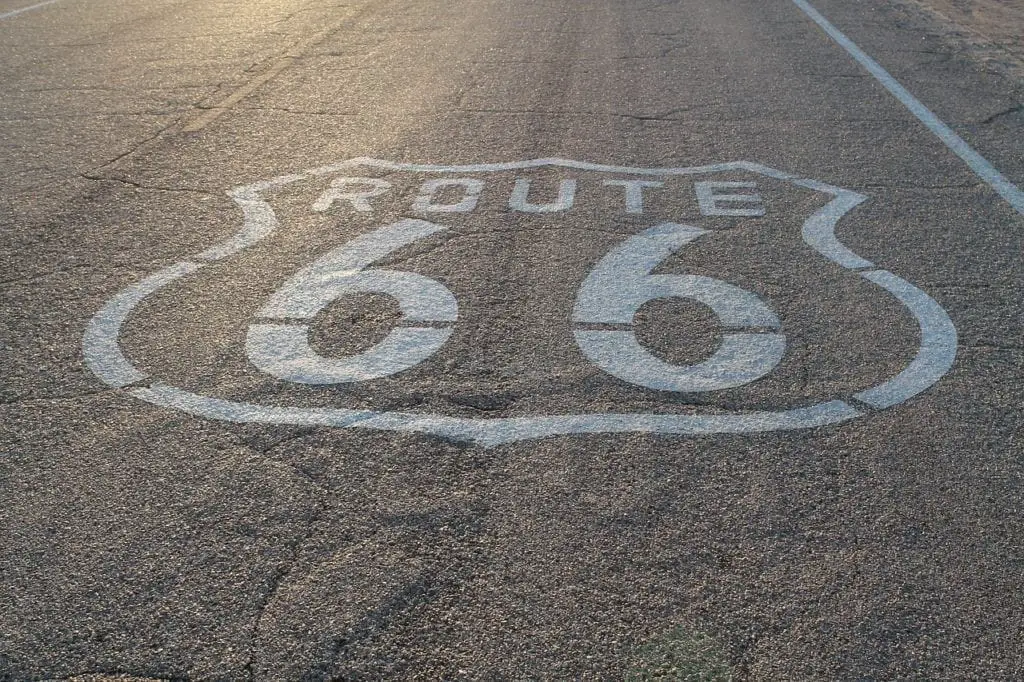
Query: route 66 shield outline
x=935, y=355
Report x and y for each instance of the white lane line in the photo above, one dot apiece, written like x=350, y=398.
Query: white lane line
x=981, y=167
x=16, y=12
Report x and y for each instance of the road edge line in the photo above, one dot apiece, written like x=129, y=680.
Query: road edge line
x=16, y=12
x=981, y=167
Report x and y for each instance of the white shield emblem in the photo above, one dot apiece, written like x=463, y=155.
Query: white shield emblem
x=501, y=302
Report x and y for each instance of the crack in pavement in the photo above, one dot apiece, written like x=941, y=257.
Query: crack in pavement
x=10, y=402
x=282, y=573
x=1000, y=114
x=147, y=188
x=421, y=590
x=135, y=148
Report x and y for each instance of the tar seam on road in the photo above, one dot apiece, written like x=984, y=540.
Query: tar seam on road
x=222, y=107
x=237, y=96
x=16, y=12
x=981, y=167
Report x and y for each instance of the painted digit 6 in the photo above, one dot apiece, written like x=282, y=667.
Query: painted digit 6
x=282, y=349
x=622, y=282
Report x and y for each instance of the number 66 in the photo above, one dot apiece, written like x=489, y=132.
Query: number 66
x=611, y=294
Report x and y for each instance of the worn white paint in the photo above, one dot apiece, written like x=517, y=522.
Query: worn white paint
x=382, y=164
x=818, y=230
x=520, y=199
x=494, y=432
x=713, y=202
x=100, y=346
x=934, y=357
x=283, y=350
x=741, y=359
x=936, y=352
x=426, y=201
x=634, y=192
x=356, y=191
x=622, y=282
x=225, y=105
x=260, y=221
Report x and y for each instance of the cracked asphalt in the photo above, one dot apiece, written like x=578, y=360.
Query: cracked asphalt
x=247, y=531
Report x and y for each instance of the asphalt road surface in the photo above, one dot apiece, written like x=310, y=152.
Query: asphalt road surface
x=507, y=339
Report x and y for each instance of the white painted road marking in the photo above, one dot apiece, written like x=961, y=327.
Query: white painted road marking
x=634, y=192
x=425, y=202
x=16, y=12
x=359, y=198
x=622, y=282
x=937, y=348
x=357, y=192
x=981, y=167
x=521, y=192
x=710, y=200
x=102, y=353
x=283, y=351
x=260, y=221
x=819, y=230
x=494, y=432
